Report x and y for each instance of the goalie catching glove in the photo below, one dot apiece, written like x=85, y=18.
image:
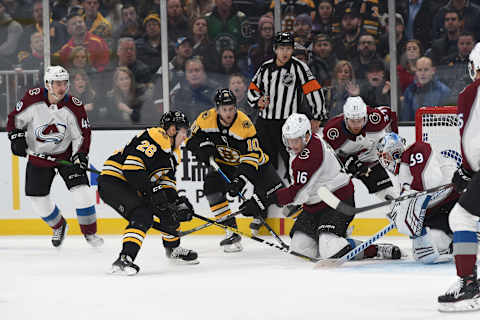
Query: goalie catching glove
x=408, y=215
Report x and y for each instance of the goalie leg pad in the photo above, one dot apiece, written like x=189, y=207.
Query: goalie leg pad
x=304, y=244
x=332, y=245
x=424, y=248
x=409, y=215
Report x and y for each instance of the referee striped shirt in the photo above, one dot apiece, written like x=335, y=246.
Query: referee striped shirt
x=285, y=87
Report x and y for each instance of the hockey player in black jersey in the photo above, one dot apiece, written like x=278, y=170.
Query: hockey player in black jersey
x=229, y=136
x=139, y=183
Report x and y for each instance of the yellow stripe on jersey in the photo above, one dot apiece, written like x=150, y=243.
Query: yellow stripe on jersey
x=134, y=240
x=114, y=174
x=137, y=231
x=134, y=159
x=161, y=138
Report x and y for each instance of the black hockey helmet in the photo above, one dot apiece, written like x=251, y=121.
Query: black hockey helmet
x=225, y=96
x=283, y=38
x=177, y=118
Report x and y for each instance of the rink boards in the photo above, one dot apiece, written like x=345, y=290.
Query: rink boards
x=17, y=218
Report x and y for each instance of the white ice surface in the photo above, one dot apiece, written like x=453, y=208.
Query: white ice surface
x=40, y=282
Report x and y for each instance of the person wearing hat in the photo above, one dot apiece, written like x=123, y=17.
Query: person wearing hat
x=346, y=41
x=149, y=48
x=303, y=29
x=262, y=50
x=323, y=59
x=96, y=46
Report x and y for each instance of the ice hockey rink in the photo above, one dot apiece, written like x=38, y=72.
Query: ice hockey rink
x=73, y=282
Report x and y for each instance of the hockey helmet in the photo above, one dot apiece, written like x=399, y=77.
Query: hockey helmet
x=225, y=97
x=354, y=108
x=389, y=150
x=284, y=39
x=474, y=61
x=297, y=125
x=55, y=73
x=176, y=118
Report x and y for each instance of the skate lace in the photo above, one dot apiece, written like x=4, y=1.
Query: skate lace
x=179, y=251
x=385, y=251
x=57, y=233
x=455, y=289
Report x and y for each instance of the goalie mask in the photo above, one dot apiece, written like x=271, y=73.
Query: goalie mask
x=389, y=150
x=56, y=73
x=297, y=126
x=474, y=62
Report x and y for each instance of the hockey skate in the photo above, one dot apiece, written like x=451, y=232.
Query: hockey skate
x=124, y=266
x=231, y=243
x=182, y=255
x=388, y=251
x=59, y=234
x=255, y=226
x=464, y=295
x=94, y=240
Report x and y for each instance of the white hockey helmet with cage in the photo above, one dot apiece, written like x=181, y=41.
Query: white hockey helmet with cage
x=297, y=125
x=56, y=73
x=474, y=61
x=389, y=150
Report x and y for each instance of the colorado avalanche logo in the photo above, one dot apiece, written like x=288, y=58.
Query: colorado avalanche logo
x=51, y=133
x=333, y=133
x=374, y=118
x=304, y=154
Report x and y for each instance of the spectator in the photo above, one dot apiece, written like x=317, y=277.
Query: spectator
x=262, y=50
x=424, y=91
x=149, y=47
x=96, y=46
x=366, y=54
x=194, y=94
x=369, y=11
x=79, y=60
x=453, y=69
x=10, y=33
x=383, y=47
x=130, y=26
x=341, y=8
x=122, y=104
x=199, y=8
x=300, y=52
x=58, y=32
x=343, y=86
x=19, y=10
x=376, y=91
x=178, y=24
x=323, y=59
x=238, y=84
x=228, y=65
x=408, y=62
x=224, y=26
x=147, y=7
x=303, y=29
x=346, y=42
x=95, y=21
x=202, y=45
x=176, y=67
x=82, y=89
x=447, y=44
x=323, y=18
x=34, y=59
x=467, y=10
x=419, y=18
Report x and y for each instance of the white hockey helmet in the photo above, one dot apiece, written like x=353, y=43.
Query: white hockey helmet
x=56, y=73
x=474, y=61
x=389, y=150
x=354, y=108
x=297, y=125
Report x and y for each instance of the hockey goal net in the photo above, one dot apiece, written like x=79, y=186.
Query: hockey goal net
x=439, y=127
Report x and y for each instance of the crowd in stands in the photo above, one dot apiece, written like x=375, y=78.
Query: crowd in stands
x=112, y=49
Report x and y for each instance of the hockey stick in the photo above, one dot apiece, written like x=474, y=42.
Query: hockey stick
x=332, y=263
x=332, y=201
x=273, y=233
x=283, y=249
x=59, y=161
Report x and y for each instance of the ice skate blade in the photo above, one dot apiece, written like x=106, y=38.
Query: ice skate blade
x=232, y=248
x=127, y=271
x=96, y=242
x=460, y=306
x=183, y=262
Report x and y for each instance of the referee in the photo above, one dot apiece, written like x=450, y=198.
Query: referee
x=278, y=89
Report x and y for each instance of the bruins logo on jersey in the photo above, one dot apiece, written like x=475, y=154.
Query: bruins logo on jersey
x=247, y=124
x=229, y=154
x=205, y=115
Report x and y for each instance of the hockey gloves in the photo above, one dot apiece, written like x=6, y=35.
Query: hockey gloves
x=184, y=209
x=80, y=160
x=461, y=179
x=355, y=167
x=207, y=150
x=253, y=207
x=160, y=203
x=18, y=142
x=241, y=185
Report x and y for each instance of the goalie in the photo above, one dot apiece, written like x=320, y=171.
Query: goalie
x=425, y=218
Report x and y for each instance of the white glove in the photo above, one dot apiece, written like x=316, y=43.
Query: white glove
x=408, y=215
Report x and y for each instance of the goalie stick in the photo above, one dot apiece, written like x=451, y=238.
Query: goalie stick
x=273, y=245
x=332, y=263
x=332, y=201
x=260, y=204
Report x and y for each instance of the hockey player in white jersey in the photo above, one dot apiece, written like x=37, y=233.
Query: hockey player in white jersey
x=418, y=168
x=354, y=136
x=464, y=295
x=47, y=124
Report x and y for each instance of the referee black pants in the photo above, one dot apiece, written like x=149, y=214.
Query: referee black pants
x=270, y=136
